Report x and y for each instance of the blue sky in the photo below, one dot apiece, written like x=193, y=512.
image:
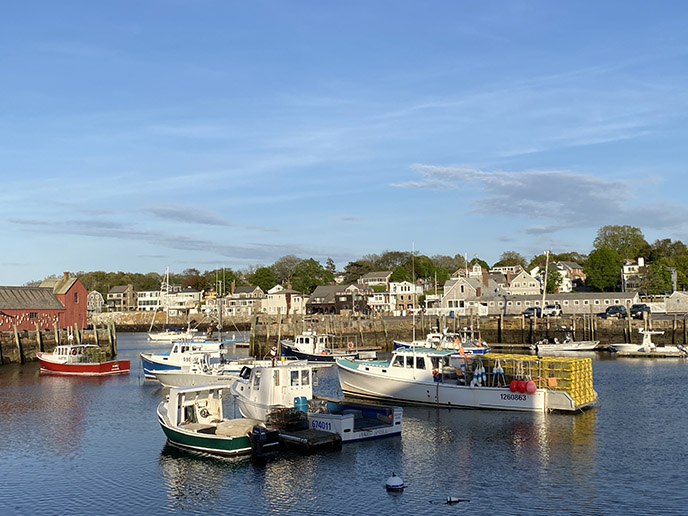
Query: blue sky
x=136, y=135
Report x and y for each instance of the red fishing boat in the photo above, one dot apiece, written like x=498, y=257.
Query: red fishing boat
x=80, y=359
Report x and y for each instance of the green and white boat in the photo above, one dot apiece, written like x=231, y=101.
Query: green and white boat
x=192, y=418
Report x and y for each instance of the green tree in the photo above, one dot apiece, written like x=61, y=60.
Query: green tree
x=330, y=266
x=284, y=268
x=356, y=269
x=400, y=273
x=263, y=278
x=510, y=258
x=553, y=281
x=628, y=241
x=603, y=269
x=656, y=279
x=308, y=274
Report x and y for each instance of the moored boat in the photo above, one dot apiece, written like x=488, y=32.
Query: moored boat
x=568, y=344
x=80, y=360
x=466, y=339
x=192, y=418
x=315, y=347
x=649, y=348
x=180, y=355
x=203, y=369
x=262, y=391
x=494, y=381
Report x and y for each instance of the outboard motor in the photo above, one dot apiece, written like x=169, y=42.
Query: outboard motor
x=264, y=441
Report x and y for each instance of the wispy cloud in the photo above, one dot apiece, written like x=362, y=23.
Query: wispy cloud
x=566, y=199
x=187, y=214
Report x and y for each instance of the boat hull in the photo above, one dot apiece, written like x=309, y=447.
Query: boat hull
x=159, y=362
x=110, y=367
x=218, y=445
x=376, y=385
x=289, y=351
x=178, y=378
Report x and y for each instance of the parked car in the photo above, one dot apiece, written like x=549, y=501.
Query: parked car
x=638, y=310
x=553, y=310
x=531, y=311
x=618, y=311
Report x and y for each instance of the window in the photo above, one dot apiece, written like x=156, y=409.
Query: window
x=576, y=302
x=305, y=378
x=398, y=361
x=33, y=315
x=256, y=379
x=76, y=298
x=276, y=377
x=409, y=362
x=294, y=378
x=420, y=362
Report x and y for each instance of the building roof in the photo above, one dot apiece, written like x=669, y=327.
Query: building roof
x=59, y=285
x=378, y=274
x=118, y=289
x=29, y=298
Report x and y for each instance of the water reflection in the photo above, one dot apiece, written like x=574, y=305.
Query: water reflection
x=194, y=480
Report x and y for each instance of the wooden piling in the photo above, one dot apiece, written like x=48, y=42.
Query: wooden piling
x=57, y=334
x=39, y=340
x=20, y=351
x=252, y=341
x=77, y=334
x=114, y=339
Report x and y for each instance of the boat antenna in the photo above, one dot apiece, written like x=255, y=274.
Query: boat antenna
x=544, y=286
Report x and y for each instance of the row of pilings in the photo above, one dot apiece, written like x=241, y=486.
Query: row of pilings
x=20, y=346
x=500, y=332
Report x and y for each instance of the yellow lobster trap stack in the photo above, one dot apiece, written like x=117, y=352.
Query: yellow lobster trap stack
x=570, y=374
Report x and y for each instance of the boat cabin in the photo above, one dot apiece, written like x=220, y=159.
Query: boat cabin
x=194, y=406
x=75, y=352
x=271, y=387
x=315, y=343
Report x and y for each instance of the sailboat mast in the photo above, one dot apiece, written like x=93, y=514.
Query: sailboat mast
x=544, y=286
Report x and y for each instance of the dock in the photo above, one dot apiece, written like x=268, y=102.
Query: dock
x=295, y=432
x=310, y=440
x=650, y=354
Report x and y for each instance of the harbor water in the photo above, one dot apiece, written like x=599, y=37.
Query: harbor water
x=73, y=446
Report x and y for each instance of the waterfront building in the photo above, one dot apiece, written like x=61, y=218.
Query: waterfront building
x=121, y=298
x=285, y=301
x=56, y=301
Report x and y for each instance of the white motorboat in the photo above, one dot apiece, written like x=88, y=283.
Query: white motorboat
x=262, y=391
x=442, y=378
x=201, y=370
x=467, y=339
x=180, y=355
x=192, y=418
x=568, y=344
x=649, y=347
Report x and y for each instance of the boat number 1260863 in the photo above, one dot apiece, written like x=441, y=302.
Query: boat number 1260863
x=515, y=397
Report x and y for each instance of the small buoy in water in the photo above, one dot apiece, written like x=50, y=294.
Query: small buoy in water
x=395, y=483
x=454, y=499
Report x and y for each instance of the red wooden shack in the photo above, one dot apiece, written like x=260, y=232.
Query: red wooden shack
x=56, y=300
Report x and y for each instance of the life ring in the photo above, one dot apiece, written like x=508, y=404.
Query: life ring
x=350, y=345
x=204, y=412
x=73, y=351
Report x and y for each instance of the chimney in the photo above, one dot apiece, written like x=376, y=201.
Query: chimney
x=508, y=278
x=478, y=292
x=232, y=287
x=641, y=262
x=485, y=277
x=65, y=275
